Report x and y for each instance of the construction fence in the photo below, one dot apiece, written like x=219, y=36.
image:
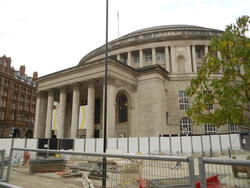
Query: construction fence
x=147, y=145
x=137, y=170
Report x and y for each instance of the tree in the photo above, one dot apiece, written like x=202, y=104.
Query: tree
x=224, y=82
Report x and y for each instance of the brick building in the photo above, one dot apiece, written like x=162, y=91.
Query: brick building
x=17, y=100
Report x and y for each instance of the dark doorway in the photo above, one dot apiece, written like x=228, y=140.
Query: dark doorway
x=97, y=133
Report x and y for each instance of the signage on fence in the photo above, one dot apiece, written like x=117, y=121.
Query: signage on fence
x=55, y=116
x=83, y=117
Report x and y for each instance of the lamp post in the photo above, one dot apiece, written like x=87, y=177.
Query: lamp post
x=104, y=167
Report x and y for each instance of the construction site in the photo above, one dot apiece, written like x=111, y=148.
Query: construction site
x=42, y=168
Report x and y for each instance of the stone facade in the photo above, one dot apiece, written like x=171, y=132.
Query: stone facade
x=148, y=73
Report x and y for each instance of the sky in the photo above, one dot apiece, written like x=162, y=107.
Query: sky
x=51, y=35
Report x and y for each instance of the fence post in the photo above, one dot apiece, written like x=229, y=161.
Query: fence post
x=202, y=149
x=138, y=144
x=211, y=147
x=9, y=164
x=191, y=171
x=2, y=164
x=192, y=148
x=149, y=145
x=181, y=144
x=202, y=173
x=127, y=144
x=159, y=144
x=84, y=146
x=170, y=144
x=230, y=141
x=220, y=143
x=95, y=144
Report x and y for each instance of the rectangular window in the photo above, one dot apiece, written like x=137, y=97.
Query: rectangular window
x=147, y=55
x=232, y=128
x=209, y=129
x=2, y=115
x=136, y=57
x=183, y=100
x=160, y=56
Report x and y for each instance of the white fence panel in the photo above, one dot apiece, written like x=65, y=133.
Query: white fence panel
x=206, y=143
x=144, y=145
x=99, y=145
x=235, y=140
x=90, y=145
x=154, y=145
x=197, y=147
x=165, y=144
x=123, y=144
x=133, y=145
x=19, y=143
x=186, y=144
x=225, y=142
x=79, y=145
x=112, y=142
x=32, y=144
x=215, y=140
x=175, y=142
x=5, y=143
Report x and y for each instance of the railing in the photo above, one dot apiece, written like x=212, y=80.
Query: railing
x=125, y=170
x=227, y=172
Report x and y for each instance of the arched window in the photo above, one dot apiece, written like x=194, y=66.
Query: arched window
x=122, y=107
x=29, y=134
x=16, y=133
x=185, y=126
x=1, y=132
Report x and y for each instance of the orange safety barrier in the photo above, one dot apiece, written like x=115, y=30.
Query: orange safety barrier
x=212, y=182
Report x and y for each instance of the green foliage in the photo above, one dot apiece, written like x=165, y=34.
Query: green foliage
x=224, y=82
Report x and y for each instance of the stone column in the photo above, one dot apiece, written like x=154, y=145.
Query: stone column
x=110, y=111
x=141, y=58
x=40, y=116
x=167, y=62
x=62, y=110
x=37, y=115
x=129, y=59
x=206, y=49
x=188, y=63
x=154, y=56
x=118, y=57
x=49, y=114
x=173, y=62
x=91, y=111
x=75, y=111
x=194, y=59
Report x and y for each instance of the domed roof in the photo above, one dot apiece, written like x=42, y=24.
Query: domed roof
x=169, y=27
x=154, y=34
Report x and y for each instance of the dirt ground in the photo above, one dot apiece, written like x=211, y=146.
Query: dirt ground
x=21, y=176
x=25, y=179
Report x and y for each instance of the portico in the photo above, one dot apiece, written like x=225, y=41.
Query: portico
x=67, y=94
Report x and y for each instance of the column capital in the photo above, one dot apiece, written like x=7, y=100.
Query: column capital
x=40, y=93
x=91, y=83
x=76, y=85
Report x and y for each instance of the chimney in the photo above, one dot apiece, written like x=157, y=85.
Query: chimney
x=35, y=75
x=22, y=70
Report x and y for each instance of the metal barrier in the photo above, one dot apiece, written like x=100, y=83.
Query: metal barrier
x=124, y=170
x=6, y=185
x=224, y=172
x=2, y=155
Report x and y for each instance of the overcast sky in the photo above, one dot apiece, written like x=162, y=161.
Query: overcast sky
x=51, y=35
